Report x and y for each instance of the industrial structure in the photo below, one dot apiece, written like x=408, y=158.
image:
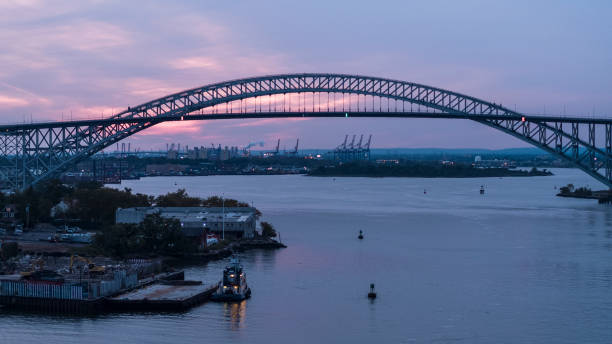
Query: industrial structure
x=351, y=151
x=197, y=222
x=275, y=152
x=174, y=151
x=33, y=152
x=246, y=151
x=294, y=152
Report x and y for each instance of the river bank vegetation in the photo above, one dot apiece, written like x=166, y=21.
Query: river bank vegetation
x=154, y=236
x=91, y=205
x=420, y=170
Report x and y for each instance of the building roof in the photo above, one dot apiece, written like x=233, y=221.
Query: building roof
x=195, y=209
x=197, y=214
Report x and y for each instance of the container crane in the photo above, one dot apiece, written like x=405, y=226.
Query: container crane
x=352, y=145
x=295, y=150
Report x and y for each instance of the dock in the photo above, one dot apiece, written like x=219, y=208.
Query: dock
x=164, y=292
x=163, y=296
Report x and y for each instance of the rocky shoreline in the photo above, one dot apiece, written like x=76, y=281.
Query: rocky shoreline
x=231, y=248
x=51, y=250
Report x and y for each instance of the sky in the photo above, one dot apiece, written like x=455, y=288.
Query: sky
x=90, y=59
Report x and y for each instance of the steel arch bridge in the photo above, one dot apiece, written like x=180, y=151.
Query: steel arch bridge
x=32, y=152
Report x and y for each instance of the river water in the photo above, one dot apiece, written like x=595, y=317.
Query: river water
x=516, y=265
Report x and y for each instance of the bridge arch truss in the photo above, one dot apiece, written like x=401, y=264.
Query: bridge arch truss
x=32, y=152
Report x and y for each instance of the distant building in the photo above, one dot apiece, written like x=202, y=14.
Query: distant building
x=239, y=222
x=8, y=213
x=172, y=154
x=193, y=154
x=165, y=169
x=387, y=162
x=225, y=154
x=202, y=153
x=493, y=163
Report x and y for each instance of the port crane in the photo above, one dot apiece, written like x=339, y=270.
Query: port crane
x=352, y=145
x=343, y=145
x=360, y=141
x=353, y=150
x=295, y=149
x=274, y=152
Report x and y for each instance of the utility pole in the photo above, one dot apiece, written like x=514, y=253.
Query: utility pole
x=27, y=209
x=223, y=216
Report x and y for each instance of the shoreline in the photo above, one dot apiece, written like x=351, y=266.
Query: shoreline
x=219, y=254
x=43, y=248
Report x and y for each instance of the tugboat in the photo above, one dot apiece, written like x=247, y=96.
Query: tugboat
x=233, y=287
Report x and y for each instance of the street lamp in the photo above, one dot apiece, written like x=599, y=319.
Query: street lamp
x=223, y=216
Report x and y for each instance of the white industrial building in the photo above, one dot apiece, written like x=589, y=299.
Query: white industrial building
x=236, y=222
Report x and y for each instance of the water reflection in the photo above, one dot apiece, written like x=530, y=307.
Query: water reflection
x=517, y=263
x=235, y=312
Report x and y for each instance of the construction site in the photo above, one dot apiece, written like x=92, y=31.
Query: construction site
x=78, y=284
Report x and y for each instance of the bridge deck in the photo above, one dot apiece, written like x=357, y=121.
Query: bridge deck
x=293, y=114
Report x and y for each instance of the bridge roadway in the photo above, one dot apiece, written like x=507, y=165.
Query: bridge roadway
x=11, y=128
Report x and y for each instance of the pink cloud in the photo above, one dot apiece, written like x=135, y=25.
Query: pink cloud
x=263, y=122
x=197, y=62
x=11, y=102
x=173, y=128
x=26, y=49
x=148, y=89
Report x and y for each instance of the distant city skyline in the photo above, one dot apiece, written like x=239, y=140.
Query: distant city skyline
x=65, y=60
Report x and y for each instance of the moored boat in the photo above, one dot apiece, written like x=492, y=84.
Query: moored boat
x=233, y=287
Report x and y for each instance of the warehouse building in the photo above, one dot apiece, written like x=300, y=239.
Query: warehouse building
x=236, y=222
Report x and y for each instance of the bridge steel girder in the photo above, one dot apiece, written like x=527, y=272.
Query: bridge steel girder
x=33, y=152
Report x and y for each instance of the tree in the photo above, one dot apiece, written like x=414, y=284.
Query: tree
x=267, y=230
x=180, y=198
x=9, y=250
x=155, y=235
x=96, y=207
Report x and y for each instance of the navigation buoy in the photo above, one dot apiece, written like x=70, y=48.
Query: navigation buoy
x=372, y=293
x=425, y=192
x=482, y=190
x=360, y=235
